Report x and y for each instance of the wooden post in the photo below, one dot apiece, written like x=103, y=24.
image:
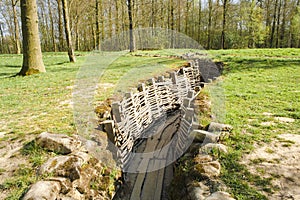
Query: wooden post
x=116, y=111
x=161, y=79
x=191, y=94
x=189, y=115
x=174, y=78
x=186, y=103
x=152, y=81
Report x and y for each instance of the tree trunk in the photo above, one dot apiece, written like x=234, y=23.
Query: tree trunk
x=162, y=14
x=94, y=33
x=273, y=25
x=187, y=18
x=98, y=36
x=282, y=33
x=298, y=4
x=123, y=44
x=209, y=24
x=192, y=29
x=179, y=16
x=293, y=33
x=60, y=26
x=102, y=21
x=52, y=26
x=45, y=40
x=152, y=16
x=110, y=24
x=172, y=24
x=278, y=24
x=117, y=20
x=268, y=20
x=16, y=24
x=251, y=43
x=1, y=39
x=77, y=40
x=32, y=53
x=199, y=22
x=223, y=35
x=68, y=31
x=131, y=34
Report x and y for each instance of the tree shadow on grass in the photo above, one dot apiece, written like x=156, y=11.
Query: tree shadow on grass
x=8, y=75
x=250, y=64
x=62, y=69
x=62, y=63
x=11, y=66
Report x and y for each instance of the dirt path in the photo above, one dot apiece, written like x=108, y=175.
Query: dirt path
x=10, y=160
x=279, y=160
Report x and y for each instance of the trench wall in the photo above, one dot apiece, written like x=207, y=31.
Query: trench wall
x=154, y=99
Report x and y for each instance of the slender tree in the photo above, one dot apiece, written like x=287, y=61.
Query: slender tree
x=187, y=7
x=251, y=43
x=98, y=31
x=282, y=32
x=210, y=7
x=52, y=26
x=60, y=25
x=131, y=34
x=32, y=54
x=16, y=25
x=68, y=31
x=278, y=23
x=172, y=23
x=223, y=35
x=199, y=21
x=110, y=22
x=1, y=39
x=274, y=24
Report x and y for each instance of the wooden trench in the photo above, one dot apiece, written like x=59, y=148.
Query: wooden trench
x=151, y=131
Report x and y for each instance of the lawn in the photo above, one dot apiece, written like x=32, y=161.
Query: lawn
x=43, y=102
x=254, y=82
x=259, y=86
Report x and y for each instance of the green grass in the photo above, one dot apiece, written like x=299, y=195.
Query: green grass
x=38, y=103
x=257, y=81
x=34, y=104
x=130, y=70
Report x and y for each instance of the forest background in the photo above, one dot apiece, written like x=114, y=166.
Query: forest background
x=215, y=24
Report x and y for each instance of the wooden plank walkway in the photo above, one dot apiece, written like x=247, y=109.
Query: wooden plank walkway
x=152, y=173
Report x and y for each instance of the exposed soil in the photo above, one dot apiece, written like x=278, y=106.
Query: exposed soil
x=279, y=160
x=10, y=161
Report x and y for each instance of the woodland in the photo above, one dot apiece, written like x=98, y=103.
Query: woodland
x=214, y=24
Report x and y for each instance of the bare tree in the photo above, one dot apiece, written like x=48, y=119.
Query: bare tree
x=68, y=31
x=278, y=23
x=2, y=38
x=16, y=24
x=60, y=26
x=32, y=53
x=274, y=24
x=282, y=32
x=210, y=7
x=131, y=34
x=98, y=31
x=199, y=21
x=52, y=26
x=223, y=35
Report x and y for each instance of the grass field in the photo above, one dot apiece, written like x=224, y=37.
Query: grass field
x=43, y=102
x=255, y=82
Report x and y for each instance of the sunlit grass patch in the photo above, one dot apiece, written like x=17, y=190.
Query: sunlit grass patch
x=260, y=85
